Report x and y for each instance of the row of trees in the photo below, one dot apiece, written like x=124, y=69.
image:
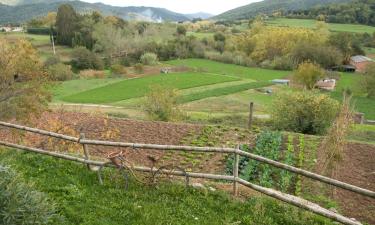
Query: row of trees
x=358, y=11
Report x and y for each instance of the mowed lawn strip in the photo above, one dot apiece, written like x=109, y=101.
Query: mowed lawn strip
x=243, y=72
x=134, y=88
x=223, y=91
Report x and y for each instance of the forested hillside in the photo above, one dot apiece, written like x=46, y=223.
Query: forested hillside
x=22, y=13
x=358, y=11
x=270, y=6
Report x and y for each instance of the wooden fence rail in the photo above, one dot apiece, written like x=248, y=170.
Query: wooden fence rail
x=292, y=169
x=296, y=201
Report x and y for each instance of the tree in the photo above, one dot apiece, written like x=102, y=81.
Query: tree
x=347, y=43
x=324, y=55
x=66, y=23
x=85, y=59
x=23, y=83
x=308, y=74
x=369, y=81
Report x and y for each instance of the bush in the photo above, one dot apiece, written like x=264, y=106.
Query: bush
x=304, y=112
x=20, y=204
x=52, y=61
x=39, y=30
x=85, y=59
x=92, y=74
x=60, y=72
x=149, y=59
x=369, y=81
x=118, y=70
x=161, y=104
x=139, y=68
x=308, y=74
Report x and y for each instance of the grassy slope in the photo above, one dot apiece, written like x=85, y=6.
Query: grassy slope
x=138, y=87
x=67, y=88
x=307, y=23
x=81, y=200
x=362, y=103
x=222, y=91
x=257, y=74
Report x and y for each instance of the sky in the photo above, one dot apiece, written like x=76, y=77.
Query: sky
x=182, y=6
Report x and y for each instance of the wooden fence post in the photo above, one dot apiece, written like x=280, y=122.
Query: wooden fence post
x=235, y=171
x=82, y=136
x=251, y=115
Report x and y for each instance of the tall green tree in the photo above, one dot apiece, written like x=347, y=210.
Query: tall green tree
x=67, y=21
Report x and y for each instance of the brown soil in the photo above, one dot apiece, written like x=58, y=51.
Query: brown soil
x=357, y=168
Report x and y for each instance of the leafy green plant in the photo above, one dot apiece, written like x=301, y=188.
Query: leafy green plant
x=268, y=144
x=286, y=177
x=301, y=160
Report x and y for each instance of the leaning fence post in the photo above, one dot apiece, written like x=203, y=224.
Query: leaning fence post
x=235, y=171
x=251, y=111
x=82, y=136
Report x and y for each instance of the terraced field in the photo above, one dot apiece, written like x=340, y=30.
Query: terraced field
x=243, y=72
x=134, y=88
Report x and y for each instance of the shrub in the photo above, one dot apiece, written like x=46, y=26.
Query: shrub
x=369, y=81
x=20, y=204
x=308, y=74
x=149, y=59
x=92, y=74
x=304, y=112
x=161, y=104
x=181, y=30
x=52, y=61
x=85, y=59
x=118, y=70
x=139, y=68
x=60, y=72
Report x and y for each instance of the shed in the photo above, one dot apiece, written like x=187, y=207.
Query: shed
x=281, y=81
x=360, y=62
x=344, y=68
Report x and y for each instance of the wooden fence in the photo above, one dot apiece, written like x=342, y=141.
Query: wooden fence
x=293, y=200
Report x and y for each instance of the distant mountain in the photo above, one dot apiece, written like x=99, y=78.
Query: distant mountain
x=23, y=12
x=28, y=2
x=269, y=6
x=201, y=15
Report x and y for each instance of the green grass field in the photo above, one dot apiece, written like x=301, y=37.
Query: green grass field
x=71, y=87
x=200, y=35
x=134, y=88
x=361, y=102
x=222, y=91
x=307, y=23
x=209, y=66
x=79, y=199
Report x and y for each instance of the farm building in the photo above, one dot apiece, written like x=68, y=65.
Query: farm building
x=326, y=84
x=360, y=62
